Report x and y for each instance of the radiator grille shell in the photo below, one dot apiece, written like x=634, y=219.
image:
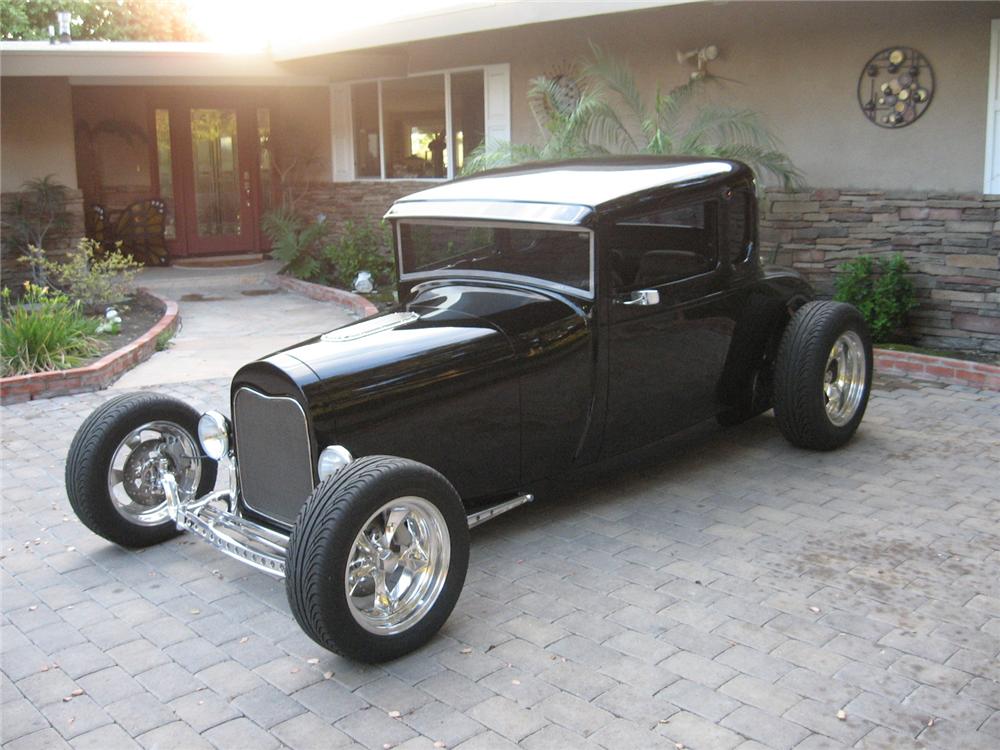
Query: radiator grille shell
x=274, y=452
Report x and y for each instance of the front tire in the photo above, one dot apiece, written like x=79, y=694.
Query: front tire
x=377, y=558
x=823, y=375
x=111, y=471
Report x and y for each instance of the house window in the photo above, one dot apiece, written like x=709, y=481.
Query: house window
x=413, y=120
x=367, y=143
x=422, y=127
x=468, y=108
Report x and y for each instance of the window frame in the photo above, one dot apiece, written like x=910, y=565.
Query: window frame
x=750, y=216
x=449, y=125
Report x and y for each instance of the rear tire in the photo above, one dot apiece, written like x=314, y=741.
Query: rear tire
x=377, y=558
x=823, y=375
x=111, y=480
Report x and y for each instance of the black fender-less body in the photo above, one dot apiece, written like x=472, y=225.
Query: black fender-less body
x=550, y=319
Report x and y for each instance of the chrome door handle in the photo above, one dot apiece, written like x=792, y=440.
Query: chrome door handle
x=643, y=297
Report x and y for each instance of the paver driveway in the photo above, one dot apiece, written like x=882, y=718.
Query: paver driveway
x=738, y=593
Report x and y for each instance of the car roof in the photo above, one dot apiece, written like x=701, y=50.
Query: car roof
x=567, y=192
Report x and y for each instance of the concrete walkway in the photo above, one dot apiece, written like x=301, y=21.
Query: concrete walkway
x=229, y=316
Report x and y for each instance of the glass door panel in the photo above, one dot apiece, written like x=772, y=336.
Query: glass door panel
x=165, y=170
x=216, y=172
x=266, y=159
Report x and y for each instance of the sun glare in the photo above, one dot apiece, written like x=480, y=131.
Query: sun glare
x=252, y=24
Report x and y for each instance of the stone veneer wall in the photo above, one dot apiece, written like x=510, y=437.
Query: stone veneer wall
x=952, y=243
x=58, y=245
x=354, y=201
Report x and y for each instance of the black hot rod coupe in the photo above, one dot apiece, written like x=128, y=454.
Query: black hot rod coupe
x=550, y=317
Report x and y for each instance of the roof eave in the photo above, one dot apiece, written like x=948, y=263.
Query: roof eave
x=465, y=18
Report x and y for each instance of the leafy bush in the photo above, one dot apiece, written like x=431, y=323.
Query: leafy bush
x=361, y=247
x=46, y=331
x=295, y=241
x=85, y=277
x=301, y=245
x=880, y=290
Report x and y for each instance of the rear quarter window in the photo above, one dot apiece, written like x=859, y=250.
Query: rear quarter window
x=664, y=245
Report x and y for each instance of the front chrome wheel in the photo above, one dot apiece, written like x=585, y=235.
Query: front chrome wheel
x=113, y=467
x=397, y=565
x=134, y=484
x=844, y=378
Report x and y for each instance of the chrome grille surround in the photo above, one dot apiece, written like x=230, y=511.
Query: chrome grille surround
x=275, y=454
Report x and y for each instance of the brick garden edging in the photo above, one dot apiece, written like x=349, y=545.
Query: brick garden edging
x=95, y=376
x=353, y=302
x=938, y=369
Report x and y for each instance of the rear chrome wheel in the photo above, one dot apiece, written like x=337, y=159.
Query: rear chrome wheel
x=377, y=558
x=844, y=379
x=822, y=375
x=398, y=565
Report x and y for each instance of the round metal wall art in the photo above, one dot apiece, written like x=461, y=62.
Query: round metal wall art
x=895, y=87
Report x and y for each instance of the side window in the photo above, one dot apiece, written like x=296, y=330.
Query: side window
x=664, y=245
x=739, y=225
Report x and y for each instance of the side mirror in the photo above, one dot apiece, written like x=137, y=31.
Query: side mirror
x=642, y=297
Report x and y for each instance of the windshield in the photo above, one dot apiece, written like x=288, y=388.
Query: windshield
x=559, y=256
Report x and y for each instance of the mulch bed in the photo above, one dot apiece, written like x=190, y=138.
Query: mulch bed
x=139, y=314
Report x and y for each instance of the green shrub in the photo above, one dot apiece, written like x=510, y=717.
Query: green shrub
x=163, y=339
x=362, y=246
x=45, y=331
x=295, y=241
x=880, y=290
x=85, y=277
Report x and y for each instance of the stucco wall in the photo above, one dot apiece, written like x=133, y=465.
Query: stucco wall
x=37, y=134
x=305, y=130
x=113, y=154
x=797, y=64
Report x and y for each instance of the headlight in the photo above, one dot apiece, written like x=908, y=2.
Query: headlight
x=213, y=434
x=331, y=460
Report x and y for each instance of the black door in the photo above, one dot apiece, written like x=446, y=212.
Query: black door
x=666, y=350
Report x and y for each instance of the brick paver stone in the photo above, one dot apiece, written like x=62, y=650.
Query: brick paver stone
x=735, y=593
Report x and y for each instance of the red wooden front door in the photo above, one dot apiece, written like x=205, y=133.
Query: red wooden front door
x=215, y=170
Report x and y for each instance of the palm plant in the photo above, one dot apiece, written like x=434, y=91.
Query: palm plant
x=611, y=116
x=566, y=131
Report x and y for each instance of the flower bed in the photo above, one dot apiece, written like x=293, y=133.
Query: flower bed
x=94, y=376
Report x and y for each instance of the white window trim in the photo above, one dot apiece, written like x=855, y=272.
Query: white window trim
x=381, y=131
x=991, y=181
x=486, y=70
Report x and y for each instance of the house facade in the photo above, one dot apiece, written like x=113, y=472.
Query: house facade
x=341, y=124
